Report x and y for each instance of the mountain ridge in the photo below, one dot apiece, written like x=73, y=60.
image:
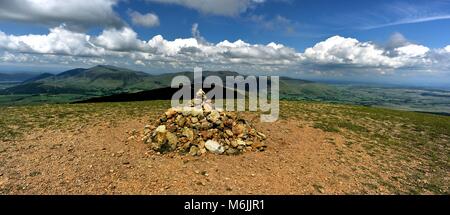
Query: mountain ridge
x=104, y=79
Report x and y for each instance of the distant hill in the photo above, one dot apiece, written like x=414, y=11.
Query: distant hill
x=17, y=77
x=98, y=79
x=109, y=83
x=39, y=77
x=108, y=80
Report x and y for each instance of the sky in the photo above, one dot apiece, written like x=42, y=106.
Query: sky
x=384, y=41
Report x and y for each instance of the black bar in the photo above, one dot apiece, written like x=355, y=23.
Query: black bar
x=271, y=204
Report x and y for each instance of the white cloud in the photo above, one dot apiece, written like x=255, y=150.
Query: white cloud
x=215, y=7
x=75, y=13
x=124, y=39
x=123, y=47
x=413, y=50
x=145, y=20
x=447, y=48
x=171, y=48
x=59, y=41
x=348, y=51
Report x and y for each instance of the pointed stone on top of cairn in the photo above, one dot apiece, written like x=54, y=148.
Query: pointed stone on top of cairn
x=200, y=95
x=202, y=128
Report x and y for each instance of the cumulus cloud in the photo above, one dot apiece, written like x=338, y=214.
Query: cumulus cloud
x=123, y=47
x=216, y=7
x=351, y=52
x=58, y=41
x=75, y=13
x=413, y=50
x=348, y=51
x=447, y=48
x=145, y=20
x=124, y=39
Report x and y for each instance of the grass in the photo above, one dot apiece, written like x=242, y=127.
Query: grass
x=414, y=146
x=17, y=120
x=393, y=138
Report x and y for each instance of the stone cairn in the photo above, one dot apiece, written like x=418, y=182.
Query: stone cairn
x=199, y=128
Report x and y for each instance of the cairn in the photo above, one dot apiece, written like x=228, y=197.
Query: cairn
x=199, y=128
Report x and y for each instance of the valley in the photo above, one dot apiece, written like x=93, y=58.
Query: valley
x=101, y=82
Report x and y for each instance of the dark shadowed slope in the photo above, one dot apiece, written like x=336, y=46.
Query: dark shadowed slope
x=148, y=95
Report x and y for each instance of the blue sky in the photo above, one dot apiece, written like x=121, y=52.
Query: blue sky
x=401, y=40
x=312, y=20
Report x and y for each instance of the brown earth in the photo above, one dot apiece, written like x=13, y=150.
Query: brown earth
x=109, y=158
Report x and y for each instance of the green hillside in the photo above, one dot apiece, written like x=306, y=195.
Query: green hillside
x=100, y=80
x=108, y=80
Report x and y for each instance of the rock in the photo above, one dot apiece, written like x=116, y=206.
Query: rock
x=171, y=128
x=171, y=113
x=206, y=125
x=200, y=94
x=228, y=123
x=186, y=146
x=201, y=144
x=240, y=142
x=214, y=147
x=186, y=111
x=205, y=135
x=232, y=151
x=180, y=120
x=194, y=120
x=218, y=123
x=213, y=116
x=203, y=151
x=201, y=183
x=238, y=129
x=172, y=139
x=234, y=143
x=161, y=129
x=188, y=133
x=207, y=107
x=229, y=132
x=194, y=151
x=197, y=112
x=161, y=137
x=261, y=135
x=259, y=146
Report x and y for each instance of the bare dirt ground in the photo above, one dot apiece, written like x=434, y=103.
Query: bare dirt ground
x=104, y=158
